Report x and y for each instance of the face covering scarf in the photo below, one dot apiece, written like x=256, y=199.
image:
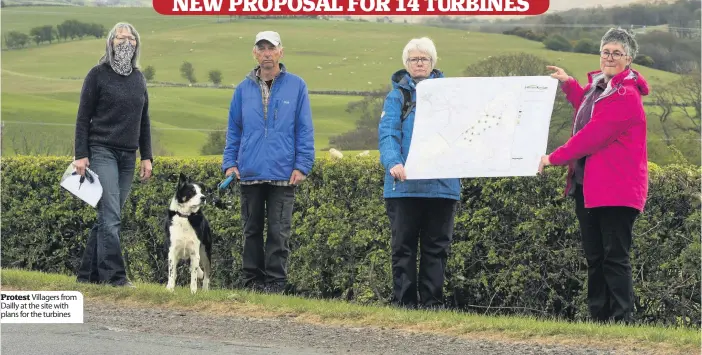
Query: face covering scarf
x=122, y=62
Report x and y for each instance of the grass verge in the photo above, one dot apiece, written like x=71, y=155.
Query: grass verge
x=625, y=339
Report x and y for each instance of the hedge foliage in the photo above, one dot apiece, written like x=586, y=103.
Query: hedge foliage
x=516, y=248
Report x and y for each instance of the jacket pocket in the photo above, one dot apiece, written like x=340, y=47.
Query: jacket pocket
x=284, y=115
x=280, y=156
x=290, y=148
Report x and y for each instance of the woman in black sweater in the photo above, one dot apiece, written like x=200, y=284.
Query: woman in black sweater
x=112, y=123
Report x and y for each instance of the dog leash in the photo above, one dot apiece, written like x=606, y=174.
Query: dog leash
x=226, y=185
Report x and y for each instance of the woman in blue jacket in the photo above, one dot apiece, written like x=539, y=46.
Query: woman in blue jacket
x=420, y=211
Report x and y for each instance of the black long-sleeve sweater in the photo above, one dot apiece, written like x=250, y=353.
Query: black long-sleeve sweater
x=113, y=112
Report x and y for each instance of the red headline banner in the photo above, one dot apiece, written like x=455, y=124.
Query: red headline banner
x=350, y=7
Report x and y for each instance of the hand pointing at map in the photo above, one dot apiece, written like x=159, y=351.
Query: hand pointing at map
x=560, y=74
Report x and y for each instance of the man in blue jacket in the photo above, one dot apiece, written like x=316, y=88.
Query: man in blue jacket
x=270, y=148
x=420, y=211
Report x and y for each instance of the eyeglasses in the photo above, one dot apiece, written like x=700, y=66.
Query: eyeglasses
x=615, y=55
x=416, y=60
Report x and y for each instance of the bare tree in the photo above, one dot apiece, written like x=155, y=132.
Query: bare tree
x=664, y=99
x=688, y=94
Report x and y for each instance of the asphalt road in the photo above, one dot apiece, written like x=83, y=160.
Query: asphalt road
x=111, y=329
x=74, y=339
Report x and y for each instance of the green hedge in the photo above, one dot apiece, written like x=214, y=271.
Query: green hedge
x=516, y=247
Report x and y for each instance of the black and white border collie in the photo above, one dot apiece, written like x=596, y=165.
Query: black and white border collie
x=188, y=235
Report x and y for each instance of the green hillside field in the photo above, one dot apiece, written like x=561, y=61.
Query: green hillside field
x=352, y=55
x=41, y=84
x=45, y=110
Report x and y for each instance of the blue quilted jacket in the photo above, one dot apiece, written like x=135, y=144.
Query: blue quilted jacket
x=394, y=137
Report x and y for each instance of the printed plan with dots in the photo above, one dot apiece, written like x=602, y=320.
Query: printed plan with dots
x=480, y=126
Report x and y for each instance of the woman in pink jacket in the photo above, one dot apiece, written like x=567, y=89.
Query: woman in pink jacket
x=607, y=170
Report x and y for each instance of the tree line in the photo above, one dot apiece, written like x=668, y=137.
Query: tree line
x=187, y=71
x=69, y=29
x=555, y=41
x=682, y=16
x=668, y=33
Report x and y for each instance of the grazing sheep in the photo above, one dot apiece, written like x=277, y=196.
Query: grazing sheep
x=335, y=153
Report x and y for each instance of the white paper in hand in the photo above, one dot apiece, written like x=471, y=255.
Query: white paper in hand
x=90, y=192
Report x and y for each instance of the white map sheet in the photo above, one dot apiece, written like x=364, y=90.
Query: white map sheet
x=480, y=126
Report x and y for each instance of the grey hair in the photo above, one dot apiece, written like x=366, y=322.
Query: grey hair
x=108, y=57
x=424, y=45
x=621, y=36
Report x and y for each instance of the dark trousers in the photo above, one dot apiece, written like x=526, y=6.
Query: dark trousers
x=429, y=222
x=266, y=265
x=102, y=259
x=606, y=240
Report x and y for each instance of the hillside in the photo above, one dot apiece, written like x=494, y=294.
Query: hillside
x=328, y=54
x=41, y=83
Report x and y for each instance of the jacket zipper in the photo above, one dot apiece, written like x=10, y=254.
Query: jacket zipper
x=265, y=116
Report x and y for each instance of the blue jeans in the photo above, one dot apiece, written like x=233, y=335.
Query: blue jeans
x=102, y=260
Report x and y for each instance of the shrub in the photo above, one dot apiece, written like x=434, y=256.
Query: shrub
x=149, y=73
x=644, y=60
x=215, y=76
x=526, y=33
x=558, y=43
x=187, y=71
x=587, y=46
x=516, y=248
x=216, y=140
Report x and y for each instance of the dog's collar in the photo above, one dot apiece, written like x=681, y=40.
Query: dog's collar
x=182, y=214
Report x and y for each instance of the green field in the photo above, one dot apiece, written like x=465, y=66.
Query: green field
x=39, y=101
x=351, y=54
x=182, y=117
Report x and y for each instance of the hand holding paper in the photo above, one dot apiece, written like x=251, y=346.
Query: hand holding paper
x=87, y=187
x=81, y=165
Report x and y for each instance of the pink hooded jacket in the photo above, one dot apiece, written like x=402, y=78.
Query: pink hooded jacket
x=614, y=141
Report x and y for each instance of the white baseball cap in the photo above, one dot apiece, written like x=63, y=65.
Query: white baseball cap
x=269, y=36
